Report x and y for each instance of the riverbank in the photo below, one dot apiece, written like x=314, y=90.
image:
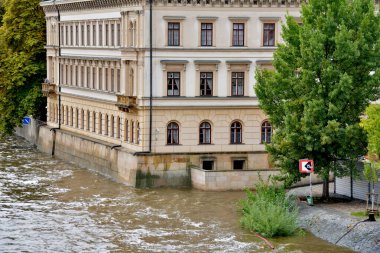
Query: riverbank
x=334, y=223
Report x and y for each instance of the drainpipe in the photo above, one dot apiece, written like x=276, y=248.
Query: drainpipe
x=58, y=79
x=150, y=74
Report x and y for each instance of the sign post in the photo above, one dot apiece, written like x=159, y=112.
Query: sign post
x=26, y=120
x=307, y=166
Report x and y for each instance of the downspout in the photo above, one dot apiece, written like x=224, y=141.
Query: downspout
x=150, y=74
x=58, y=80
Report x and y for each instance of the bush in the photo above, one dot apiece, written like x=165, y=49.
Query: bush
x=269, y=211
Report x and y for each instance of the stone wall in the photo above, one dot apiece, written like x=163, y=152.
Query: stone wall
x=214, y=180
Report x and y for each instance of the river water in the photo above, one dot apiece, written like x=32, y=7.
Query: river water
x=48, y=205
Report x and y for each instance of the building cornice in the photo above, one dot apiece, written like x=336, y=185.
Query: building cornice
x=72, y=5
x=230, y=3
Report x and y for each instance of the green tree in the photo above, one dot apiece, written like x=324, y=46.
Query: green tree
x=22, y=62
x=371, y=124
x=327, y=72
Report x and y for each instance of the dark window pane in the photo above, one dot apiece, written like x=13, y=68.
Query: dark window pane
x=173, y=34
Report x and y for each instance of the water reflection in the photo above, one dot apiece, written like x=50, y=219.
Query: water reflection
x=47, y=205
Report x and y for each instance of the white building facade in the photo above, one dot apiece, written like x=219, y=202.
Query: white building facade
x=199, y=109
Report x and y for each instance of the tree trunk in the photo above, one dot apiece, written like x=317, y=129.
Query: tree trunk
x=326, y=192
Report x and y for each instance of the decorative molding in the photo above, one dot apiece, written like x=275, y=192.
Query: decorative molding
x=207, y=18
x=269, y=18
x=73, y=5
x=174, y=17
x=232, y=3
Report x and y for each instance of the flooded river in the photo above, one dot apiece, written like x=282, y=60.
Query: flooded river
x=47, y=205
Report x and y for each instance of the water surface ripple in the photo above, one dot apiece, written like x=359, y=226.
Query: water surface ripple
x=47, y=205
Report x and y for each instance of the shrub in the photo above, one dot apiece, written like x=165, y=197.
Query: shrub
x=269, y=211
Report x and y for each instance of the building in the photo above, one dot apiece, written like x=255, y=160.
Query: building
x=199, y=109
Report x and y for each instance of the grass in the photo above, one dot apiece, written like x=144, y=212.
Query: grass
x=362, y=214
x=269, y=211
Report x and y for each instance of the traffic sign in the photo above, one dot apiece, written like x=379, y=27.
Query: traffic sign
x=26, y=120
x=306, y=166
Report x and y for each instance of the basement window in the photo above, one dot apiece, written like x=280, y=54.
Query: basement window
x=208, y=165
x=238, y=164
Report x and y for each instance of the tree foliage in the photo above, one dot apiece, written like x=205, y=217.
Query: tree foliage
x=327, y=72
x=22, y=62
x=371, y=124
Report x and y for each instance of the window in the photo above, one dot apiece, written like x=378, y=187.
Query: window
x=206, y=83
x=77, y=35
x=173, y=34
x=206, y=34
x=172, y=133
x=82, y=35
x=112, y=34
x=100, y=34
x=208, y=165
x=107, y=35
x=238, y=34
x=205, y=133
x=238, y=164
x=132, y=132
x=88, y=35
x=236, y=133
x=67, y=35
x=237, y=84
x=269, y=35
x=266, y=132
x=71, y=36
x=94, y=35
x=118, y=35
x=173, y=82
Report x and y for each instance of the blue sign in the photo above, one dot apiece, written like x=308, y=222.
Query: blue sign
x=26, y=120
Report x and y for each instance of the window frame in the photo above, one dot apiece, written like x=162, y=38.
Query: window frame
x=205, y=36
x=205, y=127
x=205, y=79
x=265, y=125
x=173, y=79
x=267, y=33
x=171, y=42
x=237, y=79
x=172, y=133
x=240, y=32
x=236, y=132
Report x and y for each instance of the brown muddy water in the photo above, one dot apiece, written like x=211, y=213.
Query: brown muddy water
x=48, y=205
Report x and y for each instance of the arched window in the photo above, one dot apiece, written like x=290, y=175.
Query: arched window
x=266, y=132
x=205, y=133
x=236, y=133
x=172, y=136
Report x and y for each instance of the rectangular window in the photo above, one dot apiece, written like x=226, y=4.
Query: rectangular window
x=238, y=34
x=118, y=80
x=87, y=77
x=173, y=81
x=173, y=34
x=106, y=83
x=76, y=75
x=112, y=35
x=82, y=35
x=269, y=35
x=82, y=76
x=94, y=35
x=61, y=28
x=237, y=86
x=238, y=164
x=107, y=35
x=71, y=35
x=112, y=80
x=67, y=36
x=93, y=83
x=206, y=83
x=101, y=35
x=76, y=35
x=88, y=35
x=100, y=79
x=118, y=35
x=206, y=34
